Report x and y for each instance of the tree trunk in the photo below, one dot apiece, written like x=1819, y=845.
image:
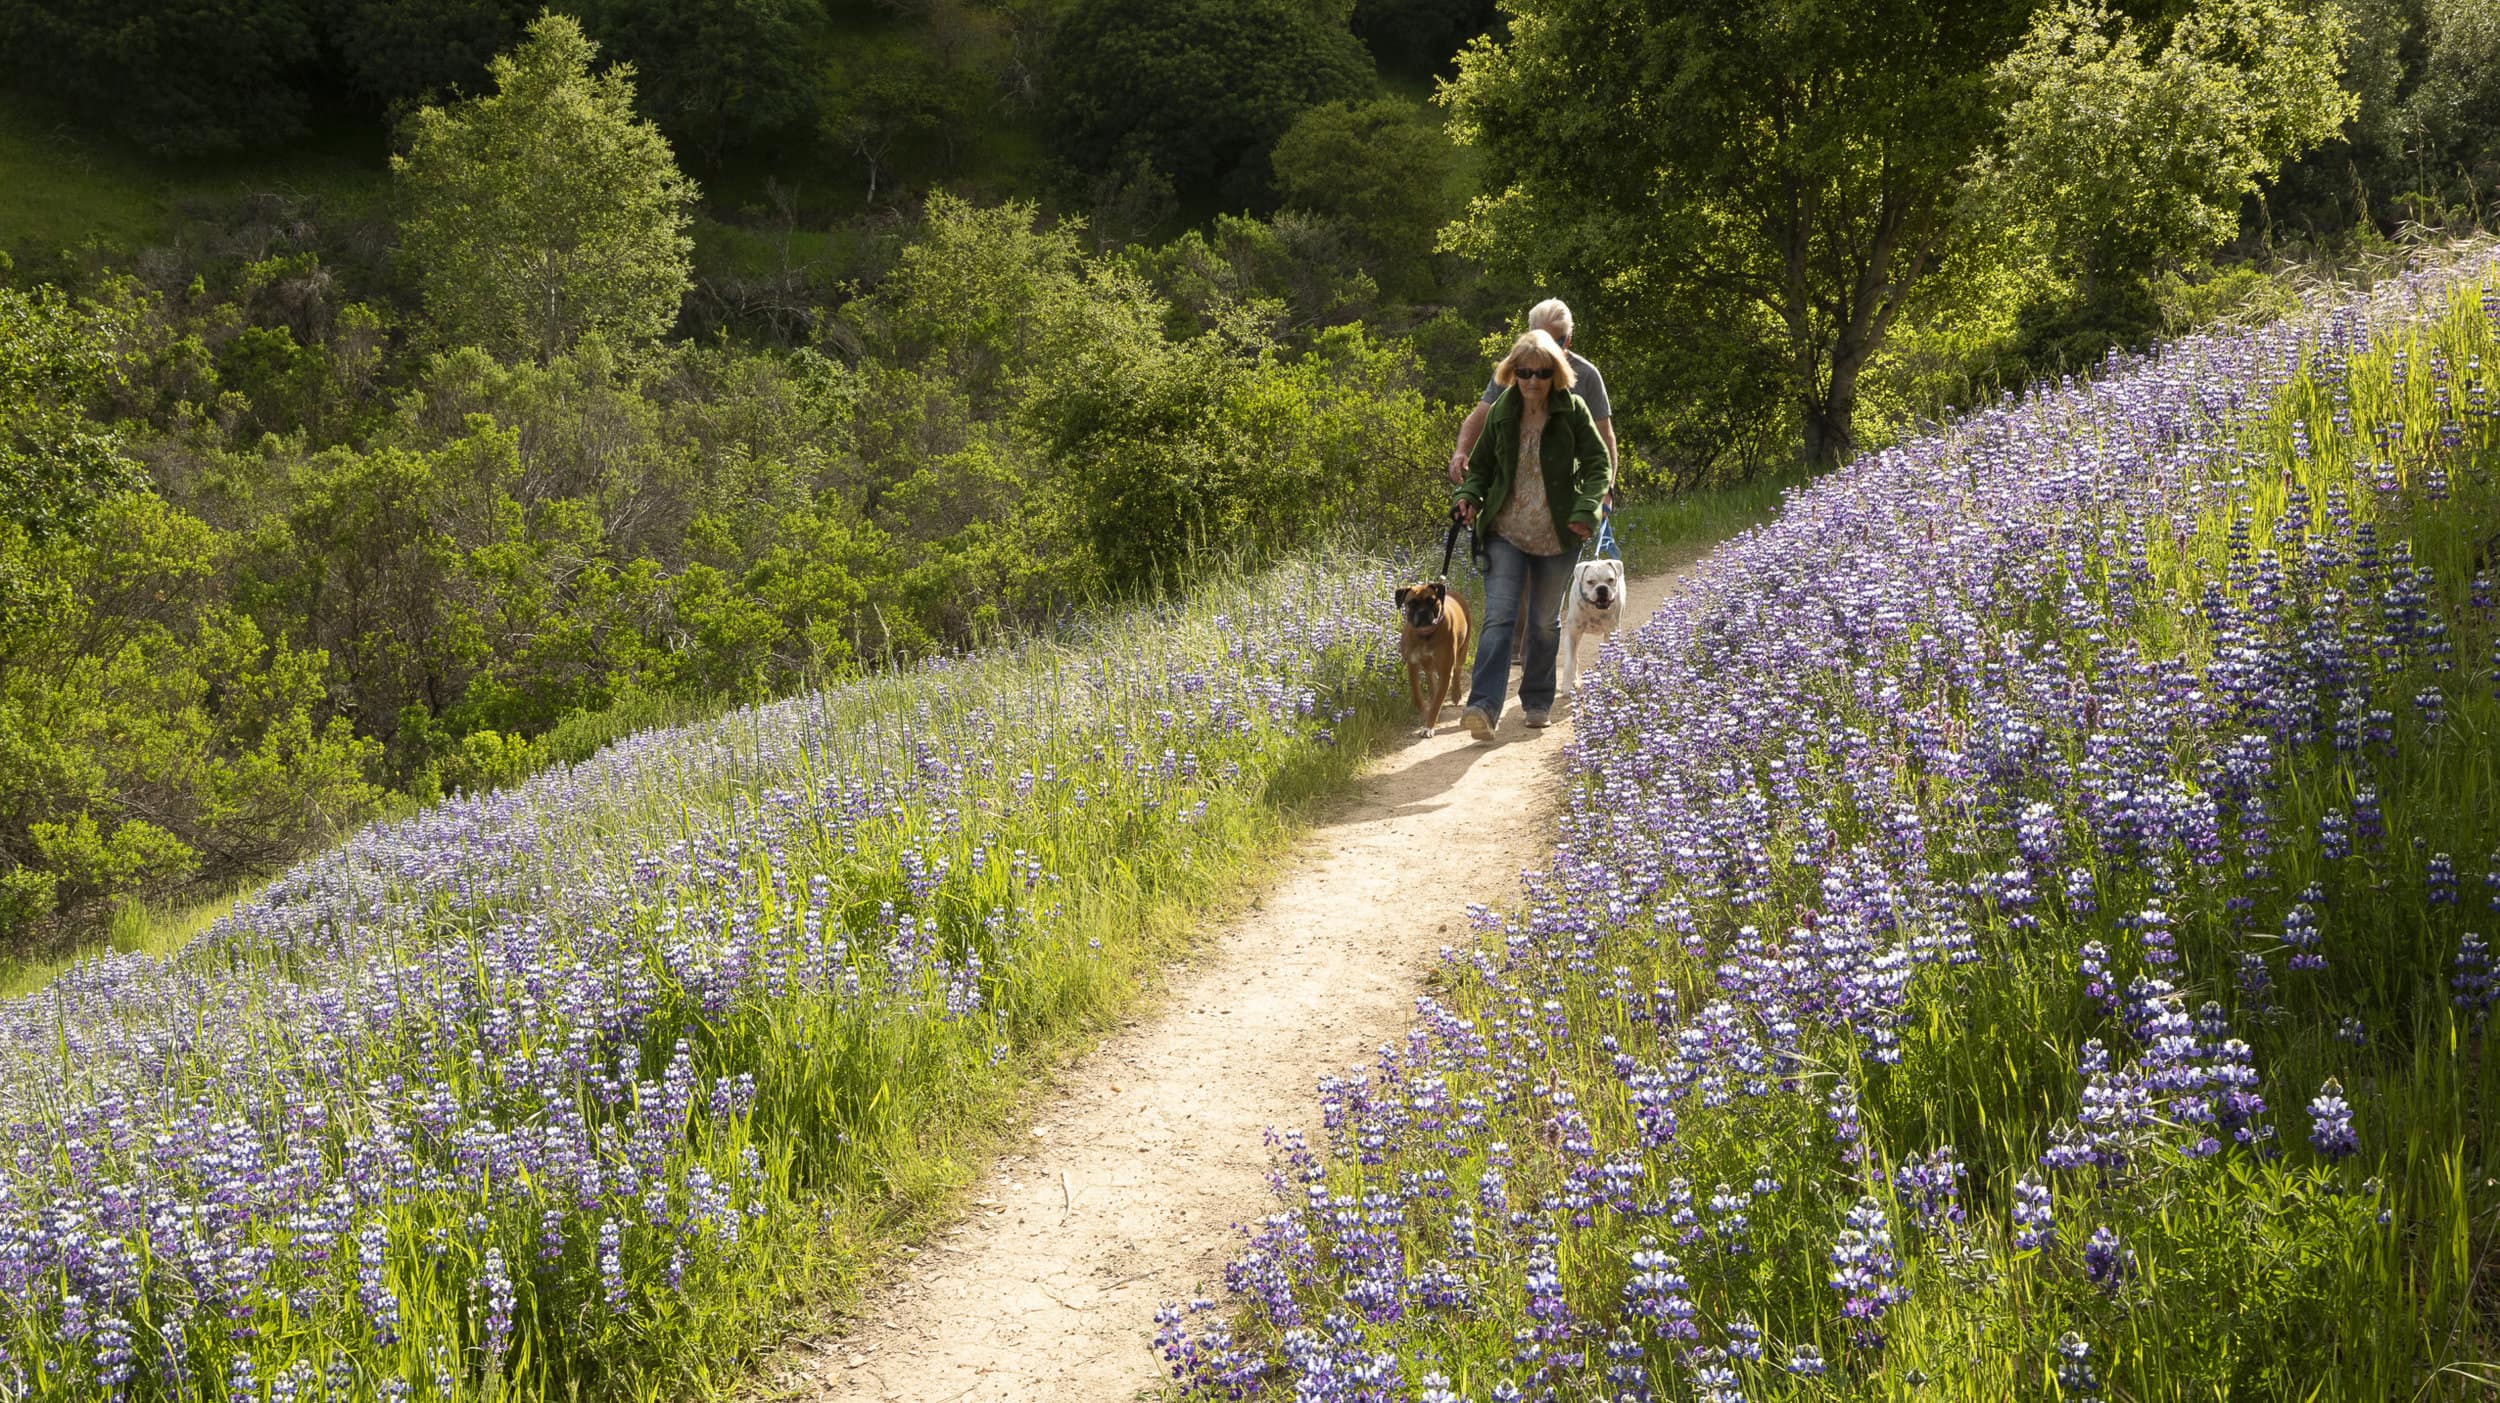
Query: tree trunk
x=1830, y=434
x=1826, y=433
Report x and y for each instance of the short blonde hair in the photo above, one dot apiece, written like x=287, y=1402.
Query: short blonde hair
x=1536, y=343
x=1552, y=316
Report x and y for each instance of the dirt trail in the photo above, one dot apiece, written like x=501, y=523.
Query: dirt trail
x=1128, y=1188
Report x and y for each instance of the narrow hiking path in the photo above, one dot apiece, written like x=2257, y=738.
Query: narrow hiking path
x=1127, y=1189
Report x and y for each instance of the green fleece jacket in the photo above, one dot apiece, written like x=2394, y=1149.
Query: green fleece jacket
x=1572, y=455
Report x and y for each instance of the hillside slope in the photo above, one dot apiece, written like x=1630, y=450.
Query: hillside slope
x=2020, y=932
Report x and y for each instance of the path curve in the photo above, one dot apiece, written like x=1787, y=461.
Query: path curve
x=1131, y=1181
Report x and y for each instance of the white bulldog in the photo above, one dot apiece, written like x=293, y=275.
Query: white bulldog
x=1595, y=605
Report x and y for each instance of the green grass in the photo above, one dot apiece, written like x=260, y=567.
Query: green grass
x=63, y=189
x=130, y=928
x=1662, y=533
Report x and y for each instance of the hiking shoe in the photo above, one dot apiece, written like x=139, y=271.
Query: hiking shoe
x=1538, y=720
x=1479, y=723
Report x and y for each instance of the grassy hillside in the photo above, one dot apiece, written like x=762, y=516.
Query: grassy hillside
x=65, y=188
x=2022, y=931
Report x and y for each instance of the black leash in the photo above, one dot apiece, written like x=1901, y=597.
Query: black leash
x=1449, y=543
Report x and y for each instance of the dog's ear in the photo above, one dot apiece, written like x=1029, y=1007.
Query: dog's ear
x=1440, y=590
x=1403, y=592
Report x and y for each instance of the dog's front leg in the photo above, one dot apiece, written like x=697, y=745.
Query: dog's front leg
x=1424, y=720
x=1440, y=694
x=1570, y=667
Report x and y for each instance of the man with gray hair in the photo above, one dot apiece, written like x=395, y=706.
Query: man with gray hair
x=1552, y=317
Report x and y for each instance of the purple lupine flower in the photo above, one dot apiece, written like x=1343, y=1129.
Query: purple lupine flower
x=1932, y=1189
x=2472, y=988
x=2300, y=936
x=1658, y=1293
x=612, y=1265
x=2082, y=893
x=2152, y=926
x=1864, y=1270
x=115, y=1361
x=2075, y=1376
x=499, y=1305
x=2441, y=877
x=373, y=1292
x=2330, y=1122
x=1806, y=1362
x=2035, y=1217
x=2107, y=1263
x=2094, y=959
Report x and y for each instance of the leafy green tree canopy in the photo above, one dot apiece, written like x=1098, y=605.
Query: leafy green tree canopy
x=180, y=77
x=1769, y=184
x=715, y=74
x=546, y=210
x=2118, y=157
x=1200, y=88
x=1382, y=170
x=1420, y=37
x=57, y=463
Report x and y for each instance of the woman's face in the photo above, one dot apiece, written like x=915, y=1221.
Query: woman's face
x=1534, y=375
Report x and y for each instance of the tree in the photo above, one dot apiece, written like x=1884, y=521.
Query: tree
x=1762, y=177
x=716, y=75
x=547, y=210
x=1380, y=170
x=396, y=51
x=1420, y=37
x=58, y=465
x=2118, y=159
x=888, y=99
x=1200, y=88
x=180, y=77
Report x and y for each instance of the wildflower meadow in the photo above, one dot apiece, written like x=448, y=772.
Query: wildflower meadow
x=566, y=1090
x=2022, y=929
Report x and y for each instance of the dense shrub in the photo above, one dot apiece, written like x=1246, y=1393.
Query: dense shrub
x=1201, y=89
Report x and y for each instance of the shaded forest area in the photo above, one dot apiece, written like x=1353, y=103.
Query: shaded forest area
x=687, y=352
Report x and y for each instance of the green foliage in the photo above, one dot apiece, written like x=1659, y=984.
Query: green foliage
x=56, y=462
x=1201, y=89
x=914, y=98
x=2425, y=146
x=1419, y=38
x=149, y=732
x=1385, y=172
x=545, y=211
x=1736, y=184
x=2116, y=160
x=1216, y=446
x=179, y=77
x=716, y=75
x=399, y=51
x=1781, y=185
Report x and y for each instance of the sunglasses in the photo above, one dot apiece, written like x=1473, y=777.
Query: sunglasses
x=1525, y=374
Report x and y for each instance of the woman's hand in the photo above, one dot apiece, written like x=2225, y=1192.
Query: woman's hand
x=1458, y=468
x=1580, y=531
x=1467, y=513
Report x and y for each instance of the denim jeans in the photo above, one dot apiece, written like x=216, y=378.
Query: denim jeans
x=1517, y=586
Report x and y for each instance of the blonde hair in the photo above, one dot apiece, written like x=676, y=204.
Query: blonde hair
x=1536, y=343
x=1552, y=316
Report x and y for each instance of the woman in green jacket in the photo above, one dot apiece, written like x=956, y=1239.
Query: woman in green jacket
x=1536, y=476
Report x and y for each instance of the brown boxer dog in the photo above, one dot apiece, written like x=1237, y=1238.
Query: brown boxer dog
x=1434, y=644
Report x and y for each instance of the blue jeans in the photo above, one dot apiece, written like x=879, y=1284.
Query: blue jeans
x=1518, y=585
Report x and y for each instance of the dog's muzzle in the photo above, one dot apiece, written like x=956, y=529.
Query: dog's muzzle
x=1603, y=598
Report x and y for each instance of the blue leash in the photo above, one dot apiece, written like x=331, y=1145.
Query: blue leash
x=1604, y=542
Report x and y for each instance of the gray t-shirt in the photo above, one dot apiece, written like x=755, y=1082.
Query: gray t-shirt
x=1591, y=387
